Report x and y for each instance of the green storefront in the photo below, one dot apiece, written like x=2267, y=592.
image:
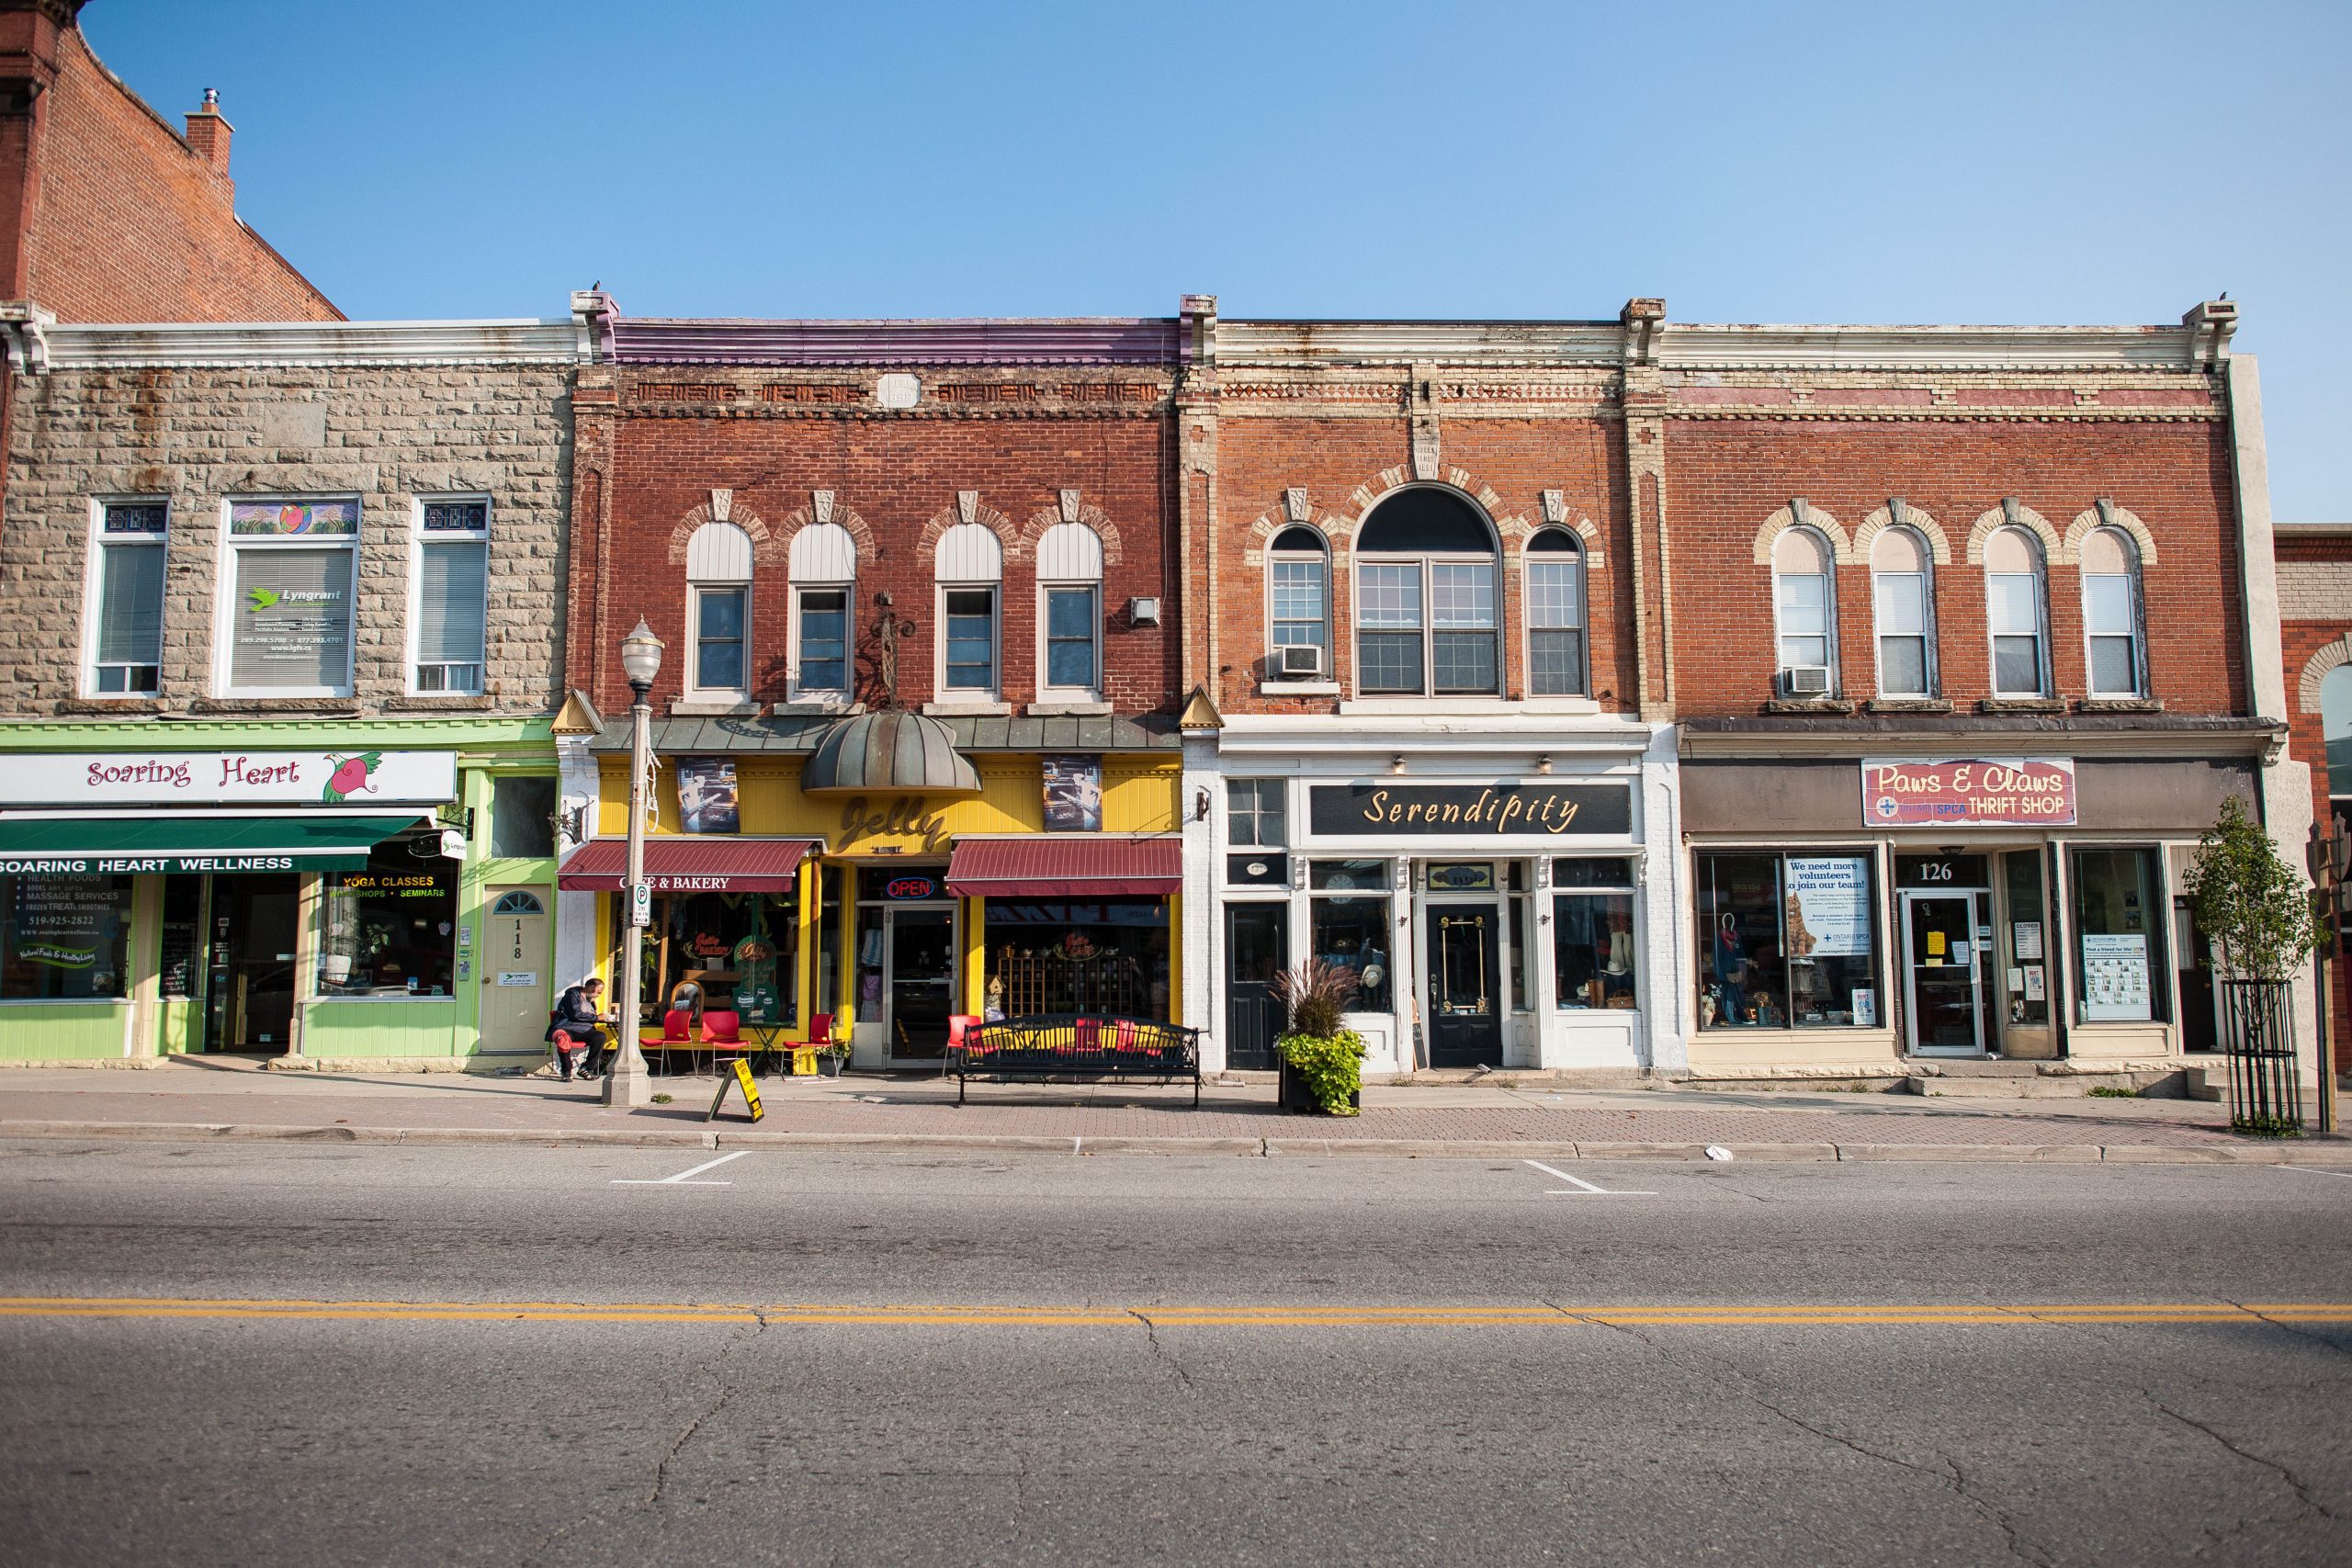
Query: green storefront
x=333, y=890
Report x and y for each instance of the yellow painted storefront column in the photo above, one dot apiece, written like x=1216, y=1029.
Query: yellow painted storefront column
x=845, y=983
x=805, y=980
x=976, y=958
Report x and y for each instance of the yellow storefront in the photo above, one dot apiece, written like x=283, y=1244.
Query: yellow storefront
x=889, y=874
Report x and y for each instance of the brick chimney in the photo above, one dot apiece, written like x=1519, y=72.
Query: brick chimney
x=208, y=133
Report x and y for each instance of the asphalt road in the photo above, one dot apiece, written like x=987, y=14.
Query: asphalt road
x=561, y=1356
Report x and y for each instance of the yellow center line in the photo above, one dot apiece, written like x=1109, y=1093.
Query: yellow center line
x=1318, y=1315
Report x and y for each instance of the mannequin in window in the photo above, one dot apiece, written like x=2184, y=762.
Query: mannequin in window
x=1730, y=964
x=1617, y=968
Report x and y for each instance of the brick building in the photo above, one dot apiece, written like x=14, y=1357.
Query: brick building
x=1642, y=696
x=2315, y=615
x=917, y=589
x=276, y=614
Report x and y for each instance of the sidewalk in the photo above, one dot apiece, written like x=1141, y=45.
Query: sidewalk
x=216, y=1098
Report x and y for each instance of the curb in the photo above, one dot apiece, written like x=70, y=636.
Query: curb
x=2331, y=1152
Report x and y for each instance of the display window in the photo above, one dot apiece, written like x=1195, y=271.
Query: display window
x=723, y=952
x=390, y=929
x=67, y=938
x=1787, y=941
x=2118, y=941
x=1351, y=930
x=1593, y=946
x=1106, y=955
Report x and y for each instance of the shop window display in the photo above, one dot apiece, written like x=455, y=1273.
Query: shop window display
x=1353, y=932
x=1106, y=955
x=2118, y=941
x=391, y=929
x=1787, y=942
x=735, y=952
x=66, y=940
x=1593, y=959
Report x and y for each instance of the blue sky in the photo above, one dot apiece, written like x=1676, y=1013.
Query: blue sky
x=1986, y=163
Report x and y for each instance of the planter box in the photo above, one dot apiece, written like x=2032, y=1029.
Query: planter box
x=1295, y=1098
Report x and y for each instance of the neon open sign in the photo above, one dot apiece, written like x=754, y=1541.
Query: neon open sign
x=911, y=887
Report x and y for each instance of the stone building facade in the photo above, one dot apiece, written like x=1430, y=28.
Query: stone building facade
x=282, y=608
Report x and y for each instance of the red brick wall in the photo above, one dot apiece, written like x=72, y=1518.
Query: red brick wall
x=1725, y=477
x=896, y=475
x=1259, y=457
x=128, y=224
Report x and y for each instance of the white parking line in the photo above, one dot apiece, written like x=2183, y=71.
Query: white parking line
x=1583, y=1188
x=680, y=1180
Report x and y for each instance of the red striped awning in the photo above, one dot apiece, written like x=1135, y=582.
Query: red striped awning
x=714, y=864
x=1065, y=868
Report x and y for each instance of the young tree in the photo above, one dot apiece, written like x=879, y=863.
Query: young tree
x=2254, y=905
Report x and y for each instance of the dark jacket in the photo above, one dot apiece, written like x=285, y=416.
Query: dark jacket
x=575, y=1015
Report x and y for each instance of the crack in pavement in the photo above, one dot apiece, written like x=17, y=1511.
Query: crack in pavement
x=726, y=1392
x=1159, y=1351
x=2296, y=1329
x=2295, y=1483
x=1948, y=1477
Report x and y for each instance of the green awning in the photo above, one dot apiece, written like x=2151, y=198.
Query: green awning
x=115, y=846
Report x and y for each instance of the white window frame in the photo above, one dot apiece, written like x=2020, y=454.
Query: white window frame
x=1321, y=561
x=2141, y=685
x=1428, y=565
x=941, y=691
x=1529, y=559
x=1930, y=676
x=1256, y=783
x=418, y=539
x=2040, y=575
x=1046, y=590
x=93, y=588
x=694, y=690
x=224, y=596
x=1828, y=575
x=837, y=696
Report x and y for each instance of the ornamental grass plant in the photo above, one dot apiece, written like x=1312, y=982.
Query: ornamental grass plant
x=1326, y=1055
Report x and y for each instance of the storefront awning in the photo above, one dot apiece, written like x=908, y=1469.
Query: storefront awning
x=714, y=864
x=1066, y=868
x=191, y=841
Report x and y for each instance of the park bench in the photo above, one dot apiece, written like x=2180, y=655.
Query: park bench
x=1052, y=1045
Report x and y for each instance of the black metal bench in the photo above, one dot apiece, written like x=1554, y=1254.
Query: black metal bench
x=1051, y=1045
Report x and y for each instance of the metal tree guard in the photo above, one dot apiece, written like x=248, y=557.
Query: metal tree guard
x=2258, y=1032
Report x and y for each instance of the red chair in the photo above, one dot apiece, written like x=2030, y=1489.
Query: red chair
x=722, y=1031
x=677, y=1034
x=820, y=1029
x=959, y=1035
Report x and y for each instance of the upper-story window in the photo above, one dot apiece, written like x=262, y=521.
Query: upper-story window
x=1069, y=596
x=285, y=605
x=824, y=587
x=718, y=612
x=1557, y=651
x=449, y=617
x=1425, y=598
x=1903, y=602
x=2013, y=609
x=969, y=566
x=1299, y=605
x=124, y=619
x=2119, y=665
x=1804, y=603
x=1255, y=818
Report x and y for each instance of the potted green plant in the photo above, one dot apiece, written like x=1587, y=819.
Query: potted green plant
x=2264, y=925
x=832, y=1056
x=1322, y=1060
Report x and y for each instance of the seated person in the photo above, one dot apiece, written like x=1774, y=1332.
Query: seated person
x=581, y=1015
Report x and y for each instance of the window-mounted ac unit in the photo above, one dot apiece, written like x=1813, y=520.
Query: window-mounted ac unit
x=1805, y=681
x=1299, y=662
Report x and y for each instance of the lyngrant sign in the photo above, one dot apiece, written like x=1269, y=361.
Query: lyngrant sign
x=1968, y=792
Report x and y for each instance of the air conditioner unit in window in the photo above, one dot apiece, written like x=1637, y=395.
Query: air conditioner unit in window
x=1299, y=662
x=1805, y=681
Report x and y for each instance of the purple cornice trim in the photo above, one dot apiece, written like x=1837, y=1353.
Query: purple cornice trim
x=1093, y=340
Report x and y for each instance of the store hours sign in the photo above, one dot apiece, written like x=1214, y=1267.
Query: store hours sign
x=358, y=776
x=1471, y=812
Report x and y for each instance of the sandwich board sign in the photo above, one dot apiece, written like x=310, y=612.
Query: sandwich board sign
x=741, y=1077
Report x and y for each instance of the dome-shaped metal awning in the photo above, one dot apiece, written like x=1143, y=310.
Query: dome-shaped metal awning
x=893, y=751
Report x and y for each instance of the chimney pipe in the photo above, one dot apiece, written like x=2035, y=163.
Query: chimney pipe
x=208, y=133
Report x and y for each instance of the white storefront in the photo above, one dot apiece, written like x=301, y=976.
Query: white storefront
x=1488, y=881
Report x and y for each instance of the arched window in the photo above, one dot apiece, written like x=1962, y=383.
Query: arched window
x=1425, y=598
x=824, y=587
x=2335, y=733
x=1555, y=609
x=2119, y=664
x=1299, y=605
x=1069, y=614
x=719, y=588
x=1903, y=602
x=1804, y=605
x=2012, y=610
x=970, y=569
x=518, y=903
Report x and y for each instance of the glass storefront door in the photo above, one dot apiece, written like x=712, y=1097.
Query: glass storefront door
x=1946, y=961
x=920, y=980
x=1256, y=949
x=252, y=969
x=1465, y=997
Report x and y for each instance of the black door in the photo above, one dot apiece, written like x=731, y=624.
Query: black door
x=1466, y=1002
x=1257, y=946
x=252, y=1004
x=923, y=980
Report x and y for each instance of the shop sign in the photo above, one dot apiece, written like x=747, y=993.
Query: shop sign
x=906, y=887
x=1470, y=811
x=907, y=815
x=1969, y=792
x=150, y=865
x=229, y=778
x=707, y=795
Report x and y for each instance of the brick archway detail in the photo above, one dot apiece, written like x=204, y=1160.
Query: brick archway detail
x=1841, y=545
x=2080, y=529
x=989, y=517
x=861, y=536
x=1867, y=531
x=2054, y=549
x=1092, y=516
x=765, y=547
x=2335, y=656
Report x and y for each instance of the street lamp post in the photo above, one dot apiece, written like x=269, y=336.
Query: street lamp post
x=626, y=1084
